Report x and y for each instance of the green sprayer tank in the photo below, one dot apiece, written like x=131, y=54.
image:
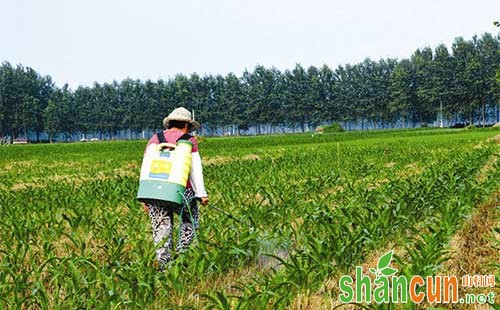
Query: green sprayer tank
x=165, y=172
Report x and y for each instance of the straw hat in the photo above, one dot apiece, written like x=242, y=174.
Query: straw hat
x=181, y=114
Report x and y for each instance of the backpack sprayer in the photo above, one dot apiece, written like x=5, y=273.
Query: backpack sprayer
x=165, y=171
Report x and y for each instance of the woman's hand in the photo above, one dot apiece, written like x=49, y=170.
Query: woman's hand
x=204, y=201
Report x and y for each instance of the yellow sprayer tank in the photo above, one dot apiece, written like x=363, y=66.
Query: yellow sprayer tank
x=165, y=172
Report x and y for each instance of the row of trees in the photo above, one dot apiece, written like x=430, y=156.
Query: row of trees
x=459, y=83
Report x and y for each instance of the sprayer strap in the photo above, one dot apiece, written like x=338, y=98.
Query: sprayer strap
x=185, y=136
x=161, y=137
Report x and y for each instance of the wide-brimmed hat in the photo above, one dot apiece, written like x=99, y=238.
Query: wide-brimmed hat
x=183, y=115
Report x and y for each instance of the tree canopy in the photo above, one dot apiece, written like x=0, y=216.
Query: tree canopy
x=461, y=83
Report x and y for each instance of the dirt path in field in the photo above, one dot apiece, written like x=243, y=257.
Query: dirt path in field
x=475, y=249
x=488, y=167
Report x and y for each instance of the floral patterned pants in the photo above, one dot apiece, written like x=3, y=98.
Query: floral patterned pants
x=162, y=222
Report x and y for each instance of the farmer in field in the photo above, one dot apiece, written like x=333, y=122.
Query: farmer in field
x=178, y=125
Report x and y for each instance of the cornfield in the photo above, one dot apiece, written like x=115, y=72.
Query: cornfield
x=73, y=235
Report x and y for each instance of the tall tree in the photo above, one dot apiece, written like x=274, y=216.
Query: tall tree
x=83, y=110
x=468, y=71
x=297, y=105
x=261, y=84
x=51, y=120
x=488, y=50
x=426, y=106
x=443, y=77
x=403, y=90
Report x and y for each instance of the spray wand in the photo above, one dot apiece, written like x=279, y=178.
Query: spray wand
x=232, y=217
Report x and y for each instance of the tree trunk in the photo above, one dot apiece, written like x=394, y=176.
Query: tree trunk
x=440, y=114
x=484, y=118
x=403, y=117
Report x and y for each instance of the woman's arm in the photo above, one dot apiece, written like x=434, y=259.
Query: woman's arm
x=196, y=178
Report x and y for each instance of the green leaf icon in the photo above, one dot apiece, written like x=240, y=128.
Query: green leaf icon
x=385, y=260
x=373, y=270
x=388, y=271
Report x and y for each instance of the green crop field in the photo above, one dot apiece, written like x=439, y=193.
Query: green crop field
x=73, y=236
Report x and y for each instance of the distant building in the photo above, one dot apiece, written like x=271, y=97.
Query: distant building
x=20, y=141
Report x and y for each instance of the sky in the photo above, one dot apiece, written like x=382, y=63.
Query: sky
x=80, y=42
